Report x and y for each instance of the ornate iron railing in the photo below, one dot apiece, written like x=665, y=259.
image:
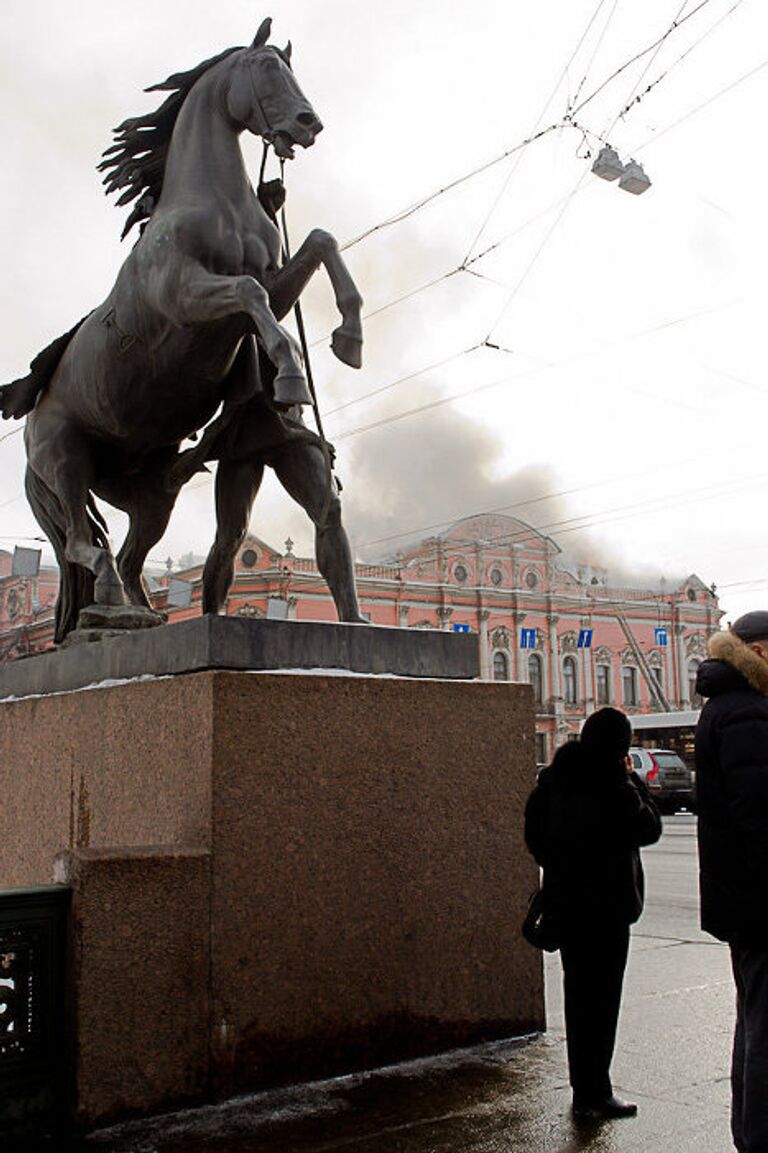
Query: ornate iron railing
x=33, y=1050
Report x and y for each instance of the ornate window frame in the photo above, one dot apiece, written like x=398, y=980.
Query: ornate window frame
x=533, y=655
x=571, y=692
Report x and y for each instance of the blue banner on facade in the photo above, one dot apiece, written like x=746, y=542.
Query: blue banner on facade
x=459, y=628
x=585, y=639
x=527, y=638
x=660, y=636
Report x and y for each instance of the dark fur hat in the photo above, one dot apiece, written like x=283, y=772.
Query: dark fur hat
x=752, y=626
x=608, y=730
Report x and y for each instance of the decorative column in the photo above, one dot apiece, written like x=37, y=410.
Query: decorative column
x=482, y=628
x=588, y=672
x=402, y=613
x=682, y=668
x=554, y=661
x=669, y=664
x=444, y=614
x=520, y=664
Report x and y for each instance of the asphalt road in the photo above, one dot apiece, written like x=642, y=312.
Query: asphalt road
x=671, y=869
x=672, y=1058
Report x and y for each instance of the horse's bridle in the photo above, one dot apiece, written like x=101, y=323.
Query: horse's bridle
x=266, y=131
x=268, y=137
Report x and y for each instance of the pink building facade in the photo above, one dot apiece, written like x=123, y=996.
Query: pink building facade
x=578, y=641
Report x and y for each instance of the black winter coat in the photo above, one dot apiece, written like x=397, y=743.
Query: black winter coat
x=732, y=792
x=584, y=823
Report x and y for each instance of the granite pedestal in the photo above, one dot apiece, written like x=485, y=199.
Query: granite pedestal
x=220, y=642
x=275, y=876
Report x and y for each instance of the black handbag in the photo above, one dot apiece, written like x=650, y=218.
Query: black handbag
x=539, y=927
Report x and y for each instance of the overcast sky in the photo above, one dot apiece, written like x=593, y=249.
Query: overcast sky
x=632, y=407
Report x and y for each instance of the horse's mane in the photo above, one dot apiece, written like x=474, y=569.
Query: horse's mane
x=136, y=161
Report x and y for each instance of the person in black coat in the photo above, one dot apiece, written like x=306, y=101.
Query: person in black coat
x=732, y=799
x=584, y=824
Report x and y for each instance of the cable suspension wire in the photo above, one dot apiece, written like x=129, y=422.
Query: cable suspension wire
x=534, y=260
x=403, y=379
x=385, y=420
x=405, y=213
x=648, y=65
x=638, y=56
x=700, y=107
x=585, y=521
x=758, y=582
x=397, y=300
x=557, y=495
x=661, y=326
x=466, y=264
x=635, y=99
x=518, y=159
x=593, y=57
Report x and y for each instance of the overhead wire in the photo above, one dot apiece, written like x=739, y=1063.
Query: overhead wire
x=638, y=56
x=655, y=49
x=593, y=57
x=700, y=107
x=566, y=202
x=466, y=264
x=556, y=495
x=410, y=210
x=403, y=379
x=471, y=391
x=649, y=64
x=405, y=213
x=758, y=581
x=519, y=157
x=537, y=254
x=635, y=99
x=585, y=521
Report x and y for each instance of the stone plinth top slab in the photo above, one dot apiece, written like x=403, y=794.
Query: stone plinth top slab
x=218, y=642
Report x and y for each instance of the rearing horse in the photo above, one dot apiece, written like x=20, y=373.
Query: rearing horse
x=111, y=402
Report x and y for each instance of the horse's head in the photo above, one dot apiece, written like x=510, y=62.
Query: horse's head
x=263, y=96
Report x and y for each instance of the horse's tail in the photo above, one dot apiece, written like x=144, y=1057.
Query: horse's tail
x=76, y=584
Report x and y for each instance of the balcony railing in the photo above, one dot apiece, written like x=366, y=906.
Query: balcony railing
x=33, y=1051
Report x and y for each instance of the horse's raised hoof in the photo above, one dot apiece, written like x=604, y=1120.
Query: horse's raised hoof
x=289, y=390
x=349, y=349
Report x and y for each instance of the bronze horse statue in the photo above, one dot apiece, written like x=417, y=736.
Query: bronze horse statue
x=191, y=324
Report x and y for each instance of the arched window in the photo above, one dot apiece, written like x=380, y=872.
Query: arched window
x=603, y=675
x=569, y=681
x=629, y=684
x=500, y=667
x=693, y=696
x=535, y=678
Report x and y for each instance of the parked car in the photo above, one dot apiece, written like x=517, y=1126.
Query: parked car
x=668, y=779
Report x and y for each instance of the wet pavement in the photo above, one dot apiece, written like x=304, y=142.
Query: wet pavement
x=672, y=1059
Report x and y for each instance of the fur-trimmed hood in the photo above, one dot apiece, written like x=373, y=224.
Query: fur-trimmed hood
x=726, y=649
